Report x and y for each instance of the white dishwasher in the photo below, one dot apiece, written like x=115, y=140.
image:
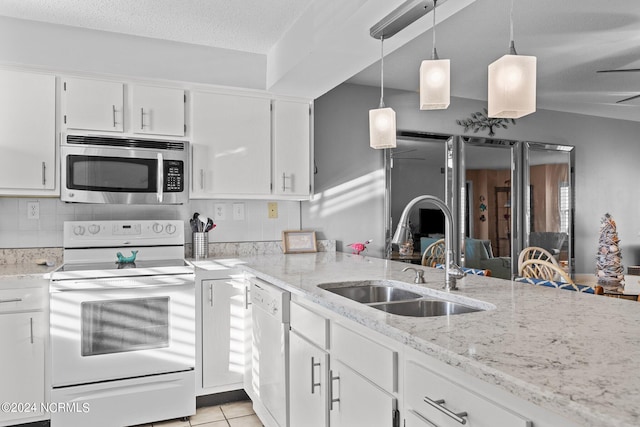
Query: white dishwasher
x=270, y=353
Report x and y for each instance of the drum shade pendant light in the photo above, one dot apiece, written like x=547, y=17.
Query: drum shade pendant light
x=382, y=120
x=512, y=83
x=434, y=78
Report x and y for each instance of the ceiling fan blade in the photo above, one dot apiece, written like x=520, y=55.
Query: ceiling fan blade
x=628, y=99
x=624, y=70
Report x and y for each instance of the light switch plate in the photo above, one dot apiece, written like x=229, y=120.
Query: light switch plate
x=238, y=211
x=273, y=209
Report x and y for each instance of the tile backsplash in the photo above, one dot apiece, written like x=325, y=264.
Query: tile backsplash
x=19, y=231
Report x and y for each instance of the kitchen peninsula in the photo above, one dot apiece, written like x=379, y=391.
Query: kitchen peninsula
x=568, y=353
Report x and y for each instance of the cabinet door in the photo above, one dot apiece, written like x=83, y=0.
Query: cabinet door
x=28, y=132
x=307, y=383
x=93, y=104
x=158, y=110
x=292, y=161
x=231, y=145
x=223, y=317
x=356, y=402
x=22, y=368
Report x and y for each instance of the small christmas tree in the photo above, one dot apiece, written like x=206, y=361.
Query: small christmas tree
x=608, y=260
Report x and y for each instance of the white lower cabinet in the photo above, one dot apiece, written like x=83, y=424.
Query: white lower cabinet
x=350, y=381
x=308, y=386
x=357, y=402
x=308, y=368
x=363, y=380
x=442, y=402
x=23, y=331
x=223, y=305
x=375, y=381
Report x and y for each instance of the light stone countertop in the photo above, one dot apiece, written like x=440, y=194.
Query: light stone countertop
x=577, y=355
x=24, y=275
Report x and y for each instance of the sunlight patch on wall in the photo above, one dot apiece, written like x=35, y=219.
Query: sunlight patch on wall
x=348, y=194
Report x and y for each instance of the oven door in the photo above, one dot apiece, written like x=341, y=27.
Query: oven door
x=106, y=329
x=122, y=175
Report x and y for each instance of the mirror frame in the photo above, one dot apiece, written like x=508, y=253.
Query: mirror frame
x=455, y=181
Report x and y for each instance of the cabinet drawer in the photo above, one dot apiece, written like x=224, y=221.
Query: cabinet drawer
x=423, y=386
x=375, y=361
x=27, y=299
x=310, y=325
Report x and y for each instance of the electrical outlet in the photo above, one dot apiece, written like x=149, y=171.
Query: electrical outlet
x=33, y=210
x=273, y=209
x=238, y=211
x=219, y=212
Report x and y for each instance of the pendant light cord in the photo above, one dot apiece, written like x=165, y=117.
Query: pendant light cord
x=434, y=52
x=381, y=72
x=512, y=46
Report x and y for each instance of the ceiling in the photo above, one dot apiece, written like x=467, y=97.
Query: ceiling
x=255, y=27
x=572, y=39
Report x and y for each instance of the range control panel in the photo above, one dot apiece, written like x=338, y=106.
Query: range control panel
x=116, y=233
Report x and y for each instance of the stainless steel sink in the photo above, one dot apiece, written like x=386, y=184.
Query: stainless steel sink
x=386, y=296
x=425, y=308
x=368, y=294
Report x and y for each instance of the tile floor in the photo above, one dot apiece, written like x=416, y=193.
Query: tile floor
x=235, y=414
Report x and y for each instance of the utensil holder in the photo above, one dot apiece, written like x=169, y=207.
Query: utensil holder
x=200, y=245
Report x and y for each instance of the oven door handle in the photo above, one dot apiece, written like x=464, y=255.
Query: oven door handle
x=160, y=175
x=188, y=284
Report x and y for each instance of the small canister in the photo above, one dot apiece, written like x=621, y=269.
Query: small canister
x=200, y=245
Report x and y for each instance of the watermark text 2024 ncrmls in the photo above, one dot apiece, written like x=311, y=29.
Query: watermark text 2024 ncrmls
x=25, y=407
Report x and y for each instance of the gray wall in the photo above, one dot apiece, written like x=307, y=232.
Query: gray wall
x=348, y=204
x=606, y=155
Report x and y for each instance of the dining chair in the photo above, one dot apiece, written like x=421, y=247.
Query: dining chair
x=434, y=254
x=544, y=273
x=472, y=271
x=535, y=252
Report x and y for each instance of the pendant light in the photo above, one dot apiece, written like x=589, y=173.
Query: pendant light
x=382, y=120
x=512, y=83
x=434, y=78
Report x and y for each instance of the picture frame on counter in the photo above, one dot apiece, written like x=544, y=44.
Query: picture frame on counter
x=299, y=241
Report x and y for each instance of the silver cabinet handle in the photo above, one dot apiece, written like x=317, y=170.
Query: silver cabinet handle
x=211, y=294
x=160, y=177
x=31, y=328
x=113, y=110
x=284, y=186
x=333, y=400
x=247, y=303
x=141, y=118
x=439, y=405
x=314, y=384
x=202, y=179
x=44, y=173
x=10, y=300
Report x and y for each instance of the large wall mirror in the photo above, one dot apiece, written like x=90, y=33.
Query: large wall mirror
x=507, y=195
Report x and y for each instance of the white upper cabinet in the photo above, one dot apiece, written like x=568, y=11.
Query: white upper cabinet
x=93, y=104
x=28, y=133
x=231, y=143
x=291, y=157
x=158, y=110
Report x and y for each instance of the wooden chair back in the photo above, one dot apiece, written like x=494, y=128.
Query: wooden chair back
x=434, y=254
x=535, y=252
x=541, y=269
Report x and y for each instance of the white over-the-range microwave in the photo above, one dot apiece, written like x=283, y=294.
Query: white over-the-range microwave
x=123, y=170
